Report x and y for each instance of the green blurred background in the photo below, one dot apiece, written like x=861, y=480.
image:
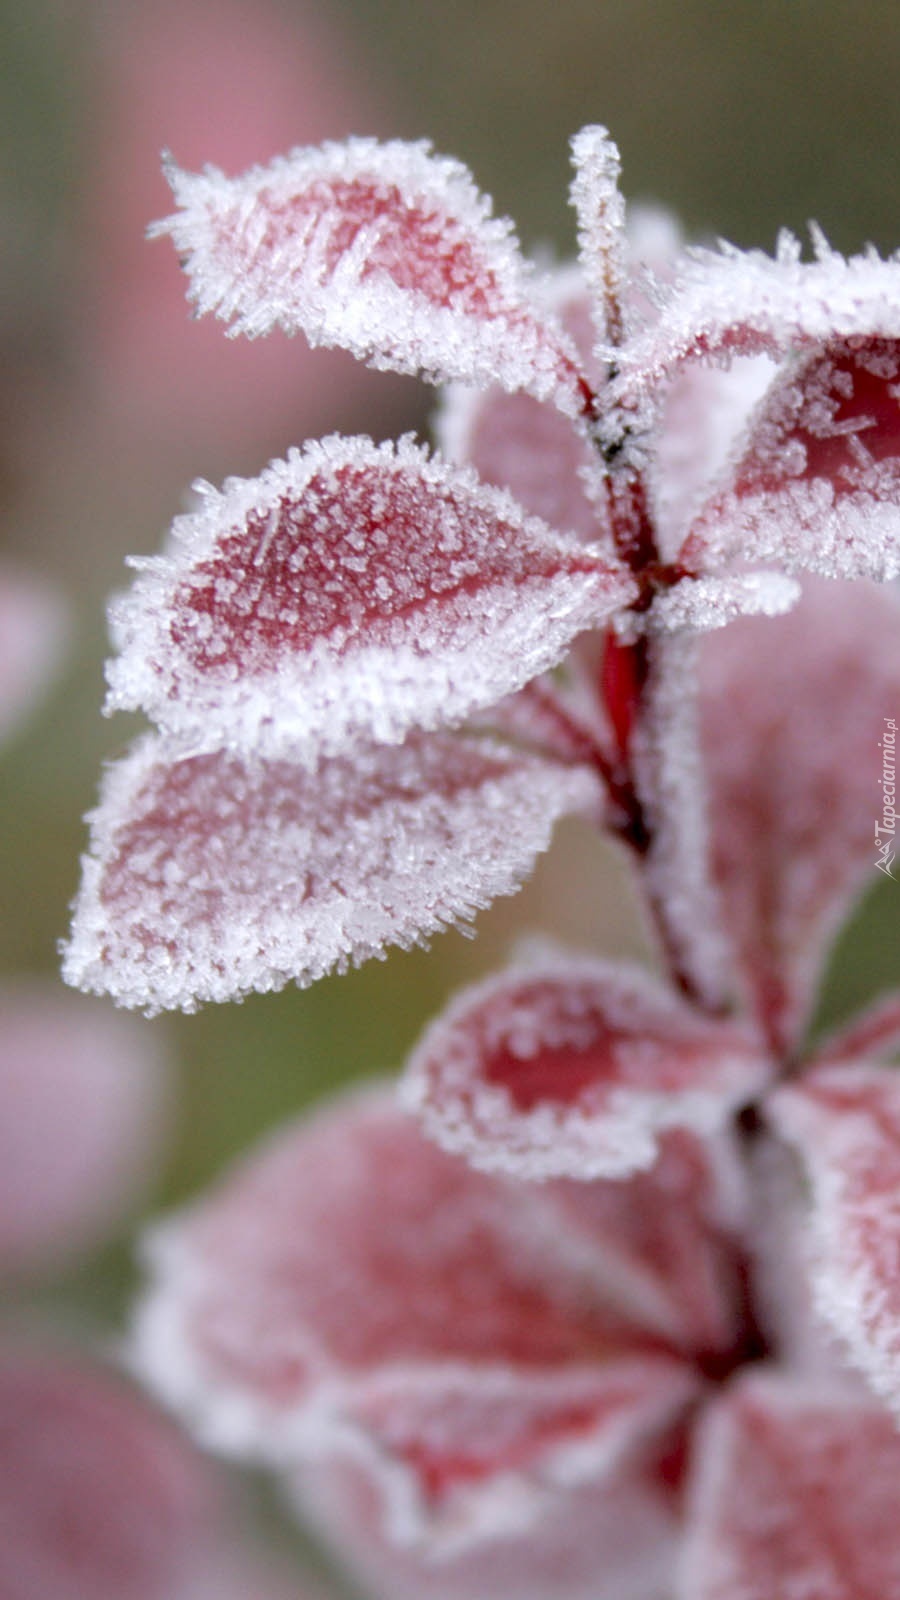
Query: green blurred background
x=742, y=117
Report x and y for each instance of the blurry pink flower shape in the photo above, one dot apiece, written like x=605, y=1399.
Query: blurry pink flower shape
x=101, y=1499
x=556, y=1385
x=231, y=81
x=310, y=632
x=84, y=1097
x=33, y=629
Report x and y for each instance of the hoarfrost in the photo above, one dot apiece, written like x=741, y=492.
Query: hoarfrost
x=351, y=592
x=794, y=1497
x=209, y=877
x=818, y=485
x=845, y=1123
x=422, y=1321
x=575, y=1071
x=383, y=249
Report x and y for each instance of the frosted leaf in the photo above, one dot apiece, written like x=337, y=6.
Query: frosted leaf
x=609, y=1541
x=794, y=799
x=776, y=1242
x=702, y=416
x=99, y=1498
x=515, y=442
x=383, y=249
x=601, y=227
x=667, y=1239
x=209, y=878
x=794, y=1498
x=872, y=1035
x=477, y=1454
x=84, y=1108
x=736, y=303
x=353, y=591
x=697, y=605
x=574, y=1071
x=33, y=628
x=818, y=484
x=562, y=719
x=675, y=872
x=352, y=1292
x=845, y=1123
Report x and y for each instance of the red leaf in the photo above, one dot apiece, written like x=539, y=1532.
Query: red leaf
x=609, y=1541
x=209, y=877
x=574, y=1070
x=462, y=1346
x=845, y=1123
x=737, y=303
x=353, y=591
x=818, y=485
x=386, y=250
x=793, y=798
x=668, y=1241
x=795, y=1494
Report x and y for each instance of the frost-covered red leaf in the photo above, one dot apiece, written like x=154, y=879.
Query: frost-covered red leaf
x=574, y=1070
x=845, y=1123
x=702, y=414
x=818, y=484
x=84, y=1106
x=668, y=1239
x=793, y=798
x=99, y=1498
x=353, y=591
x=209, y=877
x=614, y=1540
x=383, y=249
x=736, y=303
x=518, y=444
x=354, y=1292
x=795, y=1494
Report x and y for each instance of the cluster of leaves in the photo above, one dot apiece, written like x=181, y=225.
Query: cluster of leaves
x=620, y=1313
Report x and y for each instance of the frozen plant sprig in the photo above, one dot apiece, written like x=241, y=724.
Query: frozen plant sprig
x=379, y=677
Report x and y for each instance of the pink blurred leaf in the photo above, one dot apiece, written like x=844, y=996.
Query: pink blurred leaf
x=574, y=1070
x=872, y=1035
x=792, y=807
x=668, y=1238
x=465, y=1351
x=84, y=1100
x=702, y=415
x=609, y=1541
x=209, y=878
x=384, y=249
x=516, y=443
x=99, y=1498
x=818, y=484
x=795, y=1494
x=352, y=591
x=845, y=1123
x=33, y=629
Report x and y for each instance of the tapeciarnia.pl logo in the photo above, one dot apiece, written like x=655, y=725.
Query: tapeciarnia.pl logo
x=886, y=828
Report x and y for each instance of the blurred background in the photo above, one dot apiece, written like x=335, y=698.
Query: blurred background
x=740, y=117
